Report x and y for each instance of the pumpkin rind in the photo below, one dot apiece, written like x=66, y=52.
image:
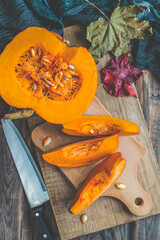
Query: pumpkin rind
x=98, y=181
x=14, y=94
x=82, y=153
x=88, y=126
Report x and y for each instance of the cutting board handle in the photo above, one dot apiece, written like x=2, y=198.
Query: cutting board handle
x=140, y=205
x=137, y=201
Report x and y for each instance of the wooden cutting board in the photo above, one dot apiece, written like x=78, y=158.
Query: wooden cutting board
x=106, y=212
x=128, y=146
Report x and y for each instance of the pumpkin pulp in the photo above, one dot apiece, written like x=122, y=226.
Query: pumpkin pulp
x=46, y=75
x=100, y=125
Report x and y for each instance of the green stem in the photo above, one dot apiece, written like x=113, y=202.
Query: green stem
x=98, y=9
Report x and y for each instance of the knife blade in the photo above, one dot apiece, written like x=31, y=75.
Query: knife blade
x=29, y=174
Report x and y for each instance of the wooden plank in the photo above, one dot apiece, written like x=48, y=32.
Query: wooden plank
x=14, y=218
x=148, y=89
x=61, y=195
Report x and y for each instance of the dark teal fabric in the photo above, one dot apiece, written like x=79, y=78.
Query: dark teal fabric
x=17, y=15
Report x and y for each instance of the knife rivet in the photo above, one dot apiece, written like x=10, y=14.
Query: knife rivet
x=45, y=236
x=37, y=214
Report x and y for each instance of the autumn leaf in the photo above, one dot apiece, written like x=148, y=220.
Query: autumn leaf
x=115, y=34
x=118, y=77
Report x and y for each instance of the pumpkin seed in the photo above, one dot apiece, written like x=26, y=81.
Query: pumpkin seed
x=64, y=65
x=120, y=186
x=58, y=61
x=48, y=74
x=35, y=87
x=46, y=60
x=33, y=52
x=55, y=92
x=103, y=130
x=45, y=84
x=47, y=81
x=58, y=76
x=84, y=218
x=67, y=74
x=47, y=141
x=91, y=131
x=71, y=66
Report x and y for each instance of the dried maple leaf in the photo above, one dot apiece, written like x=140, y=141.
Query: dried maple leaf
x=115, y=34
x=118, y=76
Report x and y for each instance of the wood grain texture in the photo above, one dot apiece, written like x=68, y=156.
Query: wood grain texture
x=61, y=195
x=15, y=216
x=148, y=89
x=16, y=219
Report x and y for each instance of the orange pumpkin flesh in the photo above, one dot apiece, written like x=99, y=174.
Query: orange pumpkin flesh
x=98, y=181
x=39, y=71
x=83, y=152
x=100, y=125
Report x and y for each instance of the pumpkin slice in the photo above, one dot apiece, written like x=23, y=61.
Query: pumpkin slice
x=83, y=152
x=39, y=71
x=100, y=125
x=98, y=181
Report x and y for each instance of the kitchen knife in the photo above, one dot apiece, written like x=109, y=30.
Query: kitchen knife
x=29, y=174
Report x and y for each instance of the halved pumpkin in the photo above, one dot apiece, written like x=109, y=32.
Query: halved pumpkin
x=88, y=126
x=39, y=71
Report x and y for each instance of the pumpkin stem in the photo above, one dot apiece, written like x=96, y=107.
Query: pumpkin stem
x=20, y=114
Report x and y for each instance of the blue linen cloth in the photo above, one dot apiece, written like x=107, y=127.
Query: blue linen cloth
x=17, y=15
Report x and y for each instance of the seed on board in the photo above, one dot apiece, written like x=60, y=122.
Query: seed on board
x=120, y=186
x=91, y=131
x=47, y=141
x=84, y=218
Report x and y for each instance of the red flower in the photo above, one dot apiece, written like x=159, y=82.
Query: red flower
x=118, y=77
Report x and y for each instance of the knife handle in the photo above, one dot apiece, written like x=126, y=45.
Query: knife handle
x=37, y=213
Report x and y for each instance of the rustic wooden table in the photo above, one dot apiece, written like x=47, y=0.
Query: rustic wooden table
x=16, y=221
